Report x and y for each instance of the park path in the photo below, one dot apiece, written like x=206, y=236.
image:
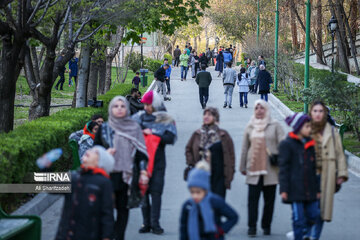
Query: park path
x=186, y=110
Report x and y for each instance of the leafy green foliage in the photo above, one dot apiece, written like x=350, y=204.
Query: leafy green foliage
x=169, y=57
x=153, y=64
x=134, y=61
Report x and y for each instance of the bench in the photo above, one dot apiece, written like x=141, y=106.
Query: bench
x=75, y=153
x=19, y=227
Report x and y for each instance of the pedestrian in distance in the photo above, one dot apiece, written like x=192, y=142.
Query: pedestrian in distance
x=260, y=142
x=136, y=80
x=209, y=56
x=88, y=209
x=261, y=61
x=61, y=72
x=243, y=83
x=188, y=51
x=202, y=215
x=194, y=63
x=87, y=139
x=134, y=101
x=167, y=76
x=160, y=79
x=203, y=60
x=229, y=79
x=227, y=57
x=184, y=59
x=330, y=162
x=124, y=138
x=177, y=53
x=263, y=82
x=73, y=70
x=154, y=120
x=298, y=182
x=203, y=80
x=214, y=146
x=190, y=47
x=253, y=72
x=98, y=118
x=219, y=63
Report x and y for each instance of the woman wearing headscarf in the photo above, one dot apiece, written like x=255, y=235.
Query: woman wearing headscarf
x=87, y=139
x=126, y=141
x=330, y=162
x=261, y=139
x=215, y=146
x=155, y=121
x=219, y=63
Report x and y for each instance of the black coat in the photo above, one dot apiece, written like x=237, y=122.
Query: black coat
x=263, y=82
x=160, y=74
x=203, y=60
x=88, y=210
x=298, y=169
x=135, y=105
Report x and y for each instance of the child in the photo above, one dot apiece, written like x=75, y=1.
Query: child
x=201, y=215
x=298, y=184
x=88, y=210
x=136, y=80
x=243, y=83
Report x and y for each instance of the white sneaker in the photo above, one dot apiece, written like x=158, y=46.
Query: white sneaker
x=290, y=235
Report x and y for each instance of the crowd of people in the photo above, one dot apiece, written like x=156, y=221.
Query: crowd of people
x=125, y=157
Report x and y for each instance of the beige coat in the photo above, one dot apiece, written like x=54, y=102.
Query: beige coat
x=274, y=134
x=332, y=159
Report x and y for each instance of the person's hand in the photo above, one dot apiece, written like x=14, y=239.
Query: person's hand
x=243, y=173
x=69, y=70
x=284, y=196
x=318, y=195
x=147, y=131
x=144, y=178
x=340, y=180
x=112, y=151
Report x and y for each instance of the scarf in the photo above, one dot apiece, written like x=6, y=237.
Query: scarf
x=207, y=216
x=259, y=156
x=88, y=132
x=128, y=139
x=209, y=134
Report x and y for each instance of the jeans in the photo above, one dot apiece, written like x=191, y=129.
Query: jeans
x=243, y=98
x=264, y=97
x=61, y=80
x=269, y=193
x=184, y=69
x=228, y=94
x=161, y=88
x=167, y=81
x=319, y=224
x=204, y=95
x=304, y=215
x=70, y=80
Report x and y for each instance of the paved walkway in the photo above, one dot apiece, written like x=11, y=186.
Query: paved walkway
x=185, y=108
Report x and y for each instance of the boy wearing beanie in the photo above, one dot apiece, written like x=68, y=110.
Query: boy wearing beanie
x=88, y=209
x=201, y=214
x=298, y=184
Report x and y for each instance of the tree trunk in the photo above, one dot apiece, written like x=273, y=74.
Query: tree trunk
x=206, y=38
x=127, y=64
x=83, y=75
x=319, y=45
x=30, y=71
x=35, y=63
x=353, y=18
x=102, y=76
x=93, y=78
x=293, y=27
x=195, y=43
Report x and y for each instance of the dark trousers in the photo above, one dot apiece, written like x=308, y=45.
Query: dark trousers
x=177, y=61
x=264, y=97
x=204, y=95
x=168, y=85
x=253, y=204
x=121, y=201
x=61, y=81
x=70, y=80
x=243, y=98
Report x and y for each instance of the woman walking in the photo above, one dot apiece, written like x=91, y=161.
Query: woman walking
x=126, y=141
x=219, y=63
x=263, y=81
x=214, y=145
x=330, y=162
x=261, y=139
x=253, y=72
x=243, y=83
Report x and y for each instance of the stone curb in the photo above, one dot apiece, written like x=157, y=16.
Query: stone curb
x=152, y=86
x=353, y=161
x=38, y=204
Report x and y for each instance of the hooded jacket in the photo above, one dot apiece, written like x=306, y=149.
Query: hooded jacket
x=227, y=57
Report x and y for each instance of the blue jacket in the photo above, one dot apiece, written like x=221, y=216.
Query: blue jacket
x=221, y=209
x=168, y=71
x=227, y=57
x=73, y=66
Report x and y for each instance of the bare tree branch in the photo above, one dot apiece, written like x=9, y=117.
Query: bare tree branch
x=68, y=12
x=35, y=11
x=42, y=16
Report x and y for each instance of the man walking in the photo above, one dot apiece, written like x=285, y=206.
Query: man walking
x=167, y=75
x=261, y=61
x=229, y=79
x=61, y=73
x=203, y=79
x=209, y=55
x=177, y=53
x=190, y=47
x=184, y=58
x=263, y=81
x=227, y=57
x=160, y=77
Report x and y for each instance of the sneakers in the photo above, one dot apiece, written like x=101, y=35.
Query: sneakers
x=157, y=230
x=225, y=105
x=167, y=99
x=56, y=87
x=145, y=229
x=182, y=79
x=267, y=231
x=252, y=232
x=230, y=106
x=245, y=105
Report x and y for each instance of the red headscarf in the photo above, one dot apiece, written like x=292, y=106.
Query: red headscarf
x=88, y=132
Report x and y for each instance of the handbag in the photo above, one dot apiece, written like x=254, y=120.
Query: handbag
x=186, y=171
x=273, y=158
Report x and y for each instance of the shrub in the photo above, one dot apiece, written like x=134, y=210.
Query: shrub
x=169, y=57
x=153, y=64
x=134, y=61
x=20, y=148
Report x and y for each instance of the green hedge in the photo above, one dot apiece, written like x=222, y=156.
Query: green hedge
x=20, y=148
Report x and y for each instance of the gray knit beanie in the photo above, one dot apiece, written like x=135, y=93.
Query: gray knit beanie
x=106, y=160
